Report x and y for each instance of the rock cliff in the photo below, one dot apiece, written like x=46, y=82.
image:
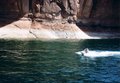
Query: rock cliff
x=71, y=19
x=100, y=12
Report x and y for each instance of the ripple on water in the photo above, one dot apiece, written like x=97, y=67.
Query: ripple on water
x=56, y=62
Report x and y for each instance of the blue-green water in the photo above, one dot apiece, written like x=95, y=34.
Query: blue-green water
x=56, y=62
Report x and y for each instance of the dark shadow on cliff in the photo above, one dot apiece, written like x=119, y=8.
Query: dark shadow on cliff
x=10, y=11
x=100, y=30
x=99, y=27
x=6, y=18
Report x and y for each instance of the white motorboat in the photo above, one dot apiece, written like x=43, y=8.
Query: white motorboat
x=88, y=53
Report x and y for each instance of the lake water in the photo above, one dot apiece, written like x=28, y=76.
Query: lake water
x=38, y=61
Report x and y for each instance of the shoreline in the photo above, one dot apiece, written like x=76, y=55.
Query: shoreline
x=25, y=29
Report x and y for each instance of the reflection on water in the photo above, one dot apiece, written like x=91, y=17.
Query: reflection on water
x=56, y=62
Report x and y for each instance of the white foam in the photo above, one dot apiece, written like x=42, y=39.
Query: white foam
x=100, y=53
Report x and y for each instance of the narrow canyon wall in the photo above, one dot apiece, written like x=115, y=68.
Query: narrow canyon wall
x=106, y=12
x=13, y=8
x=102, y=12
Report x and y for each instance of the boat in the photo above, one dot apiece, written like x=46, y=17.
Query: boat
x=97, y=53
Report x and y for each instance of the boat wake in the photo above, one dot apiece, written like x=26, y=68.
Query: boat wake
x=98, y=53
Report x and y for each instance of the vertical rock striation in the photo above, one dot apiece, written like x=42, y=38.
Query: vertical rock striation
x=101, y=12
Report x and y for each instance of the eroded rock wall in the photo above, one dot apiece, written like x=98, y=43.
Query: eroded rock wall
x=104, y=12
x=13, y=8
x=55, y=9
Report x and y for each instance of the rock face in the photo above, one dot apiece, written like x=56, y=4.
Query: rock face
x=13, y=8
x=64, y=8
x=106, y=12
x=85, y=7
x=44, y=30
x=56, y=18
x=101, y=12
x=50, y=7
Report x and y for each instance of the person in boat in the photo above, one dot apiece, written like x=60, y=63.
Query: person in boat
x=86, y=50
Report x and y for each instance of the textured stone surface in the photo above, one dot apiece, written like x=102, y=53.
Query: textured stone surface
x=101, y=12
x=50, y=7
x=43, y=30
x=46, y=30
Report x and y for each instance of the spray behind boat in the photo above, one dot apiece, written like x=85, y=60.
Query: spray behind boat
x=97, y=53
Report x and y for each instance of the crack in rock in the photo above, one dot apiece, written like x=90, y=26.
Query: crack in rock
x=33, y=34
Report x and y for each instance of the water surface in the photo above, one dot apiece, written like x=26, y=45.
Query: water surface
x=38, y=61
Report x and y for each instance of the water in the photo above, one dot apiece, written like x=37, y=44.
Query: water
x=56, y=62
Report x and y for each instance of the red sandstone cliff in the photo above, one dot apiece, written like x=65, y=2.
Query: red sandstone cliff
x=58, y=18
x=104, y=12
